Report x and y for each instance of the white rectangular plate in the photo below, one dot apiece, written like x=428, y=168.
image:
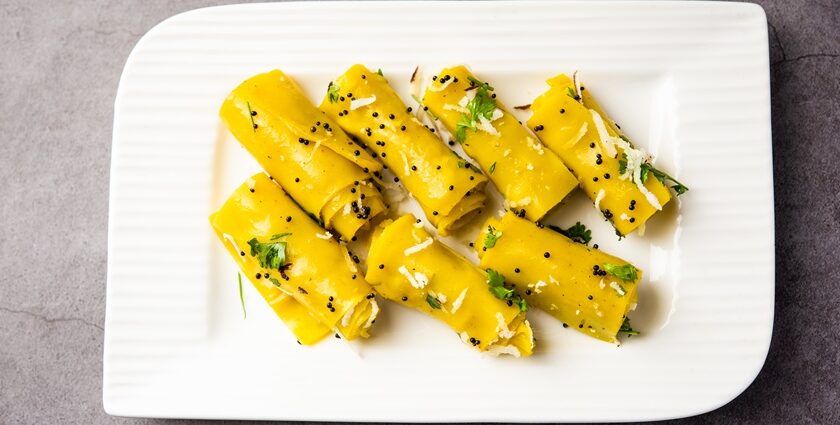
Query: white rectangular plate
x=688, y=81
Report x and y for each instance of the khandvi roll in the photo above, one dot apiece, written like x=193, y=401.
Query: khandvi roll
x=365, y=106
x=305, y=274
x=532, y=179
x=305, y=151
x=611, y=170
x=408, y=266
x=582, y=287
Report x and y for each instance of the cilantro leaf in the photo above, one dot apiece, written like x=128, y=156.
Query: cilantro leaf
x=496, y=285
x=492, y=168
x=478, y=83
x=433, y=302
x=577, y=233
x=379, y=71
x=622, y=164
x=627, y=329
x=626, y=272
x=271, y=255
x=495, y=279
x=332, y=92
x=241, y=296
x=481, y=106
x=492, y=236
x=678, y=187
x=571, y=93
x=646, y=169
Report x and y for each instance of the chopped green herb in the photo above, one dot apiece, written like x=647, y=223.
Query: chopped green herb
x=577, y=233
x=626, y=272
x=479, y=107
x=571, y=93
x=275, y=282
x=644, y=169
x=279, y=235
x=496, y=283
x=271, y=255
x=251, y=115
x=478, y=83
x=462, y=164
x=678, y=187
x=494, y=278
x=332, y=92
x=647, y=169
x=433, y=302
x=492, y=168
x=627, y=329
x=379, y=71
x=492, y=236
x=241, y=296
x=622, y=164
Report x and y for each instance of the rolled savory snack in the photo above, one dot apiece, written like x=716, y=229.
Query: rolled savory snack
x=584, y=288
x=532, y=179
x=305, y=275
x=305, y=151
x=365, y=106
x=408, y=266
x=614, y=173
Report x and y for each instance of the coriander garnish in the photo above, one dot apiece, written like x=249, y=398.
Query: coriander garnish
x=241, y=296
x=379, y=71
x=492, y=236
x=496, y=283
x=480, y=107
x=492, y=168
x=577, y=233
x=647, y=169
x=571, y=93
x=627, y=329
x=271, y=255
x=433, y=302
x=332, y=92
x=626, y=272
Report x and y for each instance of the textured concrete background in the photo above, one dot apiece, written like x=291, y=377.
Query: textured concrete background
x=60, y=63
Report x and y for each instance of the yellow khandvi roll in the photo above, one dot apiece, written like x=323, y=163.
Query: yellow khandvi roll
x=365, y=106
x=408, y=266
x=532, y=179
x=305, y=151
x=612, y=172
x=582, y=287
x=305, y=274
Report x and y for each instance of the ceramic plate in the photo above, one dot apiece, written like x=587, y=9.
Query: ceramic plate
x=689, y=81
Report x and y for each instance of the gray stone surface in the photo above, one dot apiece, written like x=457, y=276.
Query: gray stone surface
x=59, y=67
